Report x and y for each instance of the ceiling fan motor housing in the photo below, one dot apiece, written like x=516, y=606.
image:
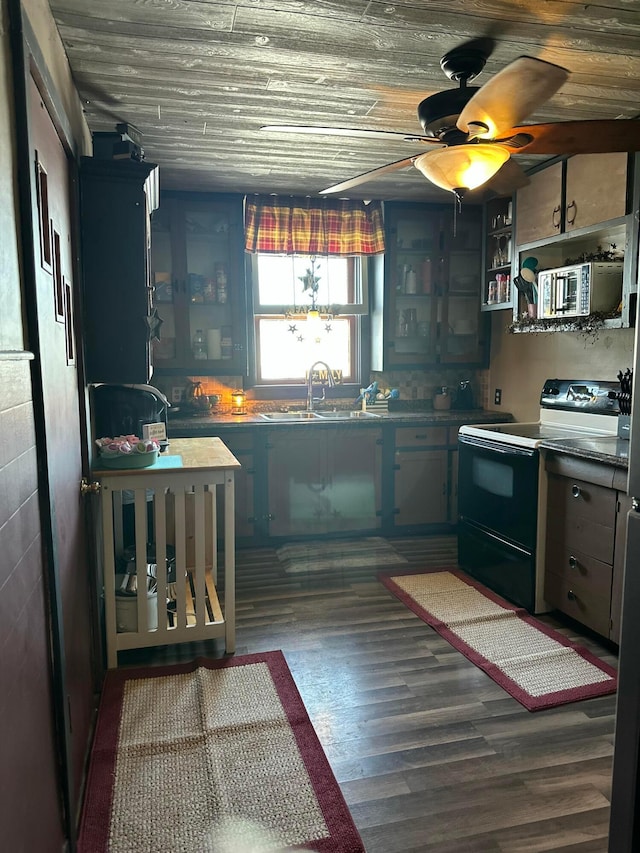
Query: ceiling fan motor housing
x=439, y=113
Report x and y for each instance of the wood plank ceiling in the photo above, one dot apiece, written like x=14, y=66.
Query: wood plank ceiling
x=199, y=78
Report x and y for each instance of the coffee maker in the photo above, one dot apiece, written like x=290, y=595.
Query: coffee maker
x=126, y=409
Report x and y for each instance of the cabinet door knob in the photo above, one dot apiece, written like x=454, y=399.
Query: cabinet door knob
x=572, y=596
x=576, y=491
x=555, y=217
x=573, y=205
x=573, y=563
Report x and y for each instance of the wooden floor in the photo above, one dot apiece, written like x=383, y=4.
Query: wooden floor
x=430, y=753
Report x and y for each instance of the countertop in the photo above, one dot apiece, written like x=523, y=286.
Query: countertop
x=203, y=424
x=608, y=449
x=185, y=455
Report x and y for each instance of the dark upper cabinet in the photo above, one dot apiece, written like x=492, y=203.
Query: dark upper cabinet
x=116, y=201
x=425, y=294
x=199, y=284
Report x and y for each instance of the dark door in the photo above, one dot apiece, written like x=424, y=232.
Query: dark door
x=70, y=583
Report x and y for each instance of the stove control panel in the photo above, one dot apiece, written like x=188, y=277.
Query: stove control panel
x=584, y=395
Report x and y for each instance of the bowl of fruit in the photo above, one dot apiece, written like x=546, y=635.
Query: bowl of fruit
x=127, y=451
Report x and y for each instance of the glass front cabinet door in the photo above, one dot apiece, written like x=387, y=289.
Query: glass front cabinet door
x=425, y=306
x=463, y=331
x=198, y=284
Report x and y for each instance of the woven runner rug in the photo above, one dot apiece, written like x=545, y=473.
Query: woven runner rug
x=322, y=555
x=535, y=664
x=211, y=756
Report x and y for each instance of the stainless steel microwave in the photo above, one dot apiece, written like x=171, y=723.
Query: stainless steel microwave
x=580, y=289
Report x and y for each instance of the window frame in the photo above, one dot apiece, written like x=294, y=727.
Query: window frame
x=357, y=279
x=357, y=314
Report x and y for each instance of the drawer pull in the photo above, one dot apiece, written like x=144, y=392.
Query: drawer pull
x=573, y=563
x=572, y=596
x=576, y=491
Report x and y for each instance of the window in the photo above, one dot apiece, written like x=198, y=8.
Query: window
x=289, y=335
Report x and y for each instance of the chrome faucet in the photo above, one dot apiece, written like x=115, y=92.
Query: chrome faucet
x=310, y=398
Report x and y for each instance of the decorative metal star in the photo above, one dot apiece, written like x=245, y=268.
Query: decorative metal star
x=293, y=328
x=327, y=327
x=300, y=338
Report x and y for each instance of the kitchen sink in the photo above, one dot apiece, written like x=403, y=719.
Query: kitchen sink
x=289, y=416
x=343, y=416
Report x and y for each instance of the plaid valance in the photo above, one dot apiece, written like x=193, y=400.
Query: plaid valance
x=306, y=226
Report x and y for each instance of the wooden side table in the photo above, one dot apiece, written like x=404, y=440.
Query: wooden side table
x=192, y=469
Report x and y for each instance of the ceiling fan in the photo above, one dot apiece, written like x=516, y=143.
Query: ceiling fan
x=473, y=131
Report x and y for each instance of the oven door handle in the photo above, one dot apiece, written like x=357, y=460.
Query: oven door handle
x=497, y=447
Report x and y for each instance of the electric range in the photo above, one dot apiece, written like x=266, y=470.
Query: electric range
x=502, y=486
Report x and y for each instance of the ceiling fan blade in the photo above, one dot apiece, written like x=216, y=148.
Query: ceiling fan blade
x=597, y=136
x=510, y=96
x=350, y=131
x=368, y=176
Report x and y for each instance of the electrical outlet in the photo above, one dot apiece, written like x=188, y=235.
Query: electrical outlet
x=177, y=394
x=497, y=396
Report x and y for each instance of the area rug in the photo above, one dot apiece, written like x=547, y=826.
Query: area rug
x=322, y=555
x=535, y=664
x=213, y=755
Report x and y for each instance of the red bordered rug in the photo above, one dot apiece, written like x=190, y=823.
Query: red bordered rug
x=211, y=755
x=535, y=664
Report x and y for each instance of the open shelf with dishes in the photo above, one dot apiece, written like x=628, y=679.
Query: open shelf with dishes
x=497, y=290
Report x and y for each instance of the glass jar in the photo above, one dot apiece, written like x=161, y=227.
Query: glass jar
x=199, y=345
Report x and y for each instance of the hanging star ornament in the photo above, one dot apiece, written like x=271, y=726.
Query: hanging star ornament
x=293, y=328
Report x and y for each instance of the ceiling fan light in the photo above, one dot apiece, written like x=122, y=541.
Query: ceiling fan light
x=461, y=167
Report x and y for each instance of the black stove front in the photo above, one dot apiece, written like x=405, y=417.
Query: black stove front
x=498, y=506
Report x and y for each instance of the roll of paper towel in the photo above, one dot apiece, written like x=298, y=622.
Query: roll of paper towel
x=214, y=346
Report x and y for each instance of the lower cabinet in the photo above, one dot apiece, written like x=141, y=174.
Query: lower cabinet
x=356, y=478
x=323, y=480
x=586, y=531
x=421, y=476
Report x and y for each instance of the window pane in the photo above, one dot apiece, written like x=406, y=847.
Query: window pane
x=282, y=356
x=279, y=280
